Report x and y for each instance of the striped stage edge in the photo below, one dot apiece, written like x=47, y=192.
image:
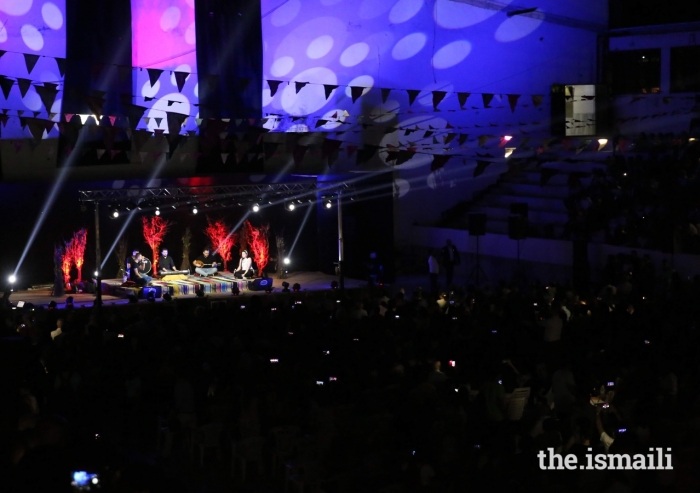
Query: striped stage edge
x=222, y=282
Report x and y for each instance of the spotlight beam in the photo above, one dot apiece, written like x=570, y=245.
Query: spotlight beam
x=301, y=228
x=50, y=199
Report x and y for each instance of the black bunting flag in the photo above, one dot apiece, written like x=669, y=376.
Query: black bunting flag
x=274, y=85
x=6, y=85
x=412, y=95
x=385, y=94
x=480, y=168
x=30, y=61
x=154, y=75
x=356, y=92
x=180, y=78
x=328, y=88
x=299, y=86
x=438, y=96
x=462, y=98
x=24, y=85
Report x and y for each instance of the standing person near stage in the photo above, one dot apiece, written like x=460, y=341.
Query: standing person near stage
x=166, y=263
x=450, y=258
x=136, y=266
x=245, y=266
x=434, y=270
x=206, y=265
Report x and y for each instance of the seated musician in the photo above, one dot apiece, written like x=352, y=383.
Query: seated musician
x=245, y=266
x=137, y=270
x=166, y=264
x=205, y=264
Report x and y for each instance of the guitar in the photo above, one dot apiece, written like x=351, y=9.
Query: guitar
x=199, y=263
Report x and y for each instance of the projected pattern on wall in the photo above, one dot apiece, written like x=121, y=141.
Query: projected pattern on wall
x=164, y=37
x=440, y=45
x=38, y=28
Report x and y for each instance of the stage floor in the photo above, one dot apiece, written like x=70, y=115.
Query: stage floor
x=309, y=281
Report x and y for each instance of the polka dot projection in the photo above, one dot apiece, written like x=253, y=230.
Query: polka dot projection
x=35, y=27
x=441, y=45
x=164, y=37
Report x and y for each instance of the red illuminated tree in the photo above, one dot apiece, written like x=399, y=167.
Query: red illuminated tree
x=259, y=244
x=66, y=263
x=222, y=240
x=75, y=252
x=154, y=229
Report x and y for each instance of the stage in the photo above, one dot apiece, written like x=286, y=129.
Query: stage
x=217, y=287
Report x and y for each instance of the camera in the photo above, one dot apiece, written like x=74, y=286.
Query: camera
x=319, y=382
x=274, y=360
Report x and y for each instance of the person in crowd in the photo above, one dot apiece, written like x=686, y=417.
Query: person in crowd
x=433, y=271
x=206, y=265
x=450, y=258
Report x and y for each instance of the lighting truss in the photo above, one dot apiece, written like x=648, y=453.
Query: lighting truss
x=241, y=193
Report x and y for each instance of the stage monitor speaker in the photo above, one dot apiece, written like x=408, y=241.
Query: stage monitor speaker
x=519, y=208
x=517, y=227
x=477, y=224
x=260, y=284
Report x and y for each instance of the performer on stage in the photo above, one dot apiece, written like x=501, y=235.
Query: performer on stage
x=166, y=263
x=137, y=270
x=245, y=266
x=205, y=264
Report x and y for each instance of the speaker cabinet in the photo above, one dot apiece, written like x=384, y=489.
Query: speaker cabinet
x=519, y=208
x=260, y=284
x=517, y=227
x=477, y=224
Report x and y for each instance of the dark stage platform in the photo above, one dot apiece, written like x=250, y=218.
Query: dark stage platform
x=216, y=287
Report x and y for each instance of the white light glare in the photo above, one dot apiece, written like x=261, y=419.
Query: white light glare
x=12, y=279
x=329, y=204
x=97, y=273
x=194, y=210
x=115, y=213
x=509, y=151
x=291, y=206
x=256, y=207
x=157, y=211
x=287, y=261
x=602, y=143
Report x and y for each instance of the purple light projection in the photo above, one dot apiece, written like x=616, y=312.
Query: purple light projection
x=38, y=28
x=443, y=45
x=164, y=37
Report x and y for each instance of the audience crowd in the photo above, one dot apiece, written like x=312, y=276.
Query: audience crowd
x=370, y=390
x=646, y=198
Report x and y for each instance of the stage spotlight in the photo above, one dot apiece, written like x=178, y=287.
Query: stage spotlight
x=256, y=207
x=296, y=287
x=334, y=285
x=12, y=279
x=115, y=213
x=329, y=204
x=157, y=211
x=290, y=206
x=194, y=210
x=97, y=274
x=234, y=290
x=287, y=261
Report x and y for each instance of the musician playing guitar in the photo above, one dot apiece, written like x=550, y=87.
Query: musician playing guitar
x=205, y=264
x=166, y=264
